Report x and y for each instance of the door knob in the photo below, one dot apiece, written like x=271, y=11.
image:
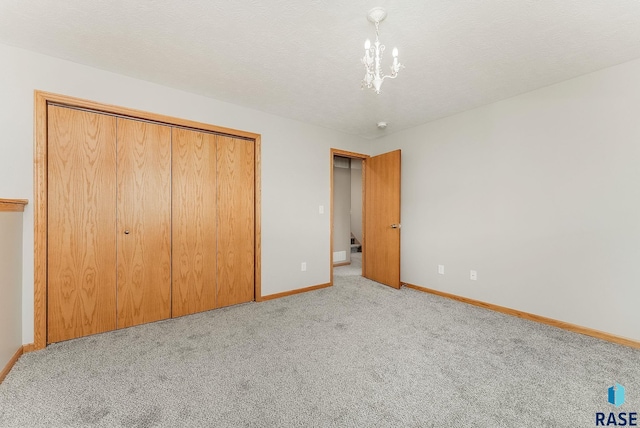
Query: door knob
x=126, y=232
x=395, y=226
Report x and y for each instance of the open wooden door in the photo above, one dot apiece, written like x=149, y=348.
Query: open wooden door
x=382, y=219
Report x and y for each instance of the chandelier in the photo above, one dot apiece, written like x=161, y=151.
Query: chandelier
x=374, y=76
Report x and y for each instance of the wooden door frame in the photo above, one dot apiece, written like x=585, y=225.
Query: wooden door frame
x=363, y=158
x=41, y=101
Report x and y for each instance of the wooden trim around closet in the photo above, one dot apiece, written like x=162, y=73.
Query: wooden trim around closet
x=258, y=223
x=13, y=205
x=533, y=317
x=41, y=101
x=40, y=221
x=138, y=114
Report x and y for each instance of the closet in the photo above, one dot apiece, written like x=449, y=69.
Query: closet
x=145, y=221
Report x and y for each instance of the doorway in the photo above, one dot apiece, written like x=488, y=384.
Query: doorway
x=380, y=196
x=347, y=216
x=347, y=168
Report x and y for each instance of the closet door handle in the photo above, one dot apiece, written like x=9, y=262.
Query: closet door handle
x=126, y=232
x=395, y=226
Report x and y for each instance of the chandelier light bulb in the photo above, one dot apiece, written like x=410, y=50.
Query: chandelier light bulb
x=372, y=58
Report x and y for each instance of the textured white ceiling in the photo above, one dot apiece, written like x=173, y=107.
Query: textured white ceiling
x=300, y=59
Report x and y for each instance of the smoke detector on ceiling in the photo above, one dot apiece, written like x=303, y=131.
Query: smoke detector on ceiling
x=382, y=125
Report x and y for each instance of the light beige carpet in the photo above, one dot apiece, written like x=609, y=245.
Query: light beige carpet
x=358, y=354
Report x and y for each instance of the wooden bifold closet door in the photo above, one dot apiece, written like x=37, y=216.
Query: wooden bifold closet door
x=194, y=222
x=213, y=221
x=236, y=219
x=146, y=221
x=81, y=257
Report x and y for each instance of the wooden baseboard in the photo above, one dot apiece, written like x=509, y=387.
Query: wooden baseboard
x=292, y=292
x=10, y=364
x=28, y=348
x=533, y=317
x=341, y=264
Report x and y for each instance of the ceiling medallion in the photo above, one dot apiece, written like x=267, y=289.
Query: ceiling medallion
x=374, y=76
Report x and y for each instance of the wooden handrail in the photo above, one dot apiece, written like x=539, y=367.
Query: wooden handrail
x=13, y=204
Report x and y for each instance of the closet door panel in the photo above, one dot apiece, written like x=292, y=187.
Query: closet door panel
x=144, y=222
x=194, y=222
x=236, y=219
x=81, y=257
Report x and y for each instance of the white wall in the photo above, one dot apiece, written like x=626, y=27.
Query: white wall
x=10, y=285
x=294, y=161
x=540, y=194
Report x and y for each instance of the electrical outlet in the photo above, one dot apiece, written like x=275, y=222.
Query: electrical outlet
x=303, y=267
x=473, y=275
x=441, y=269
x=321, y=209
